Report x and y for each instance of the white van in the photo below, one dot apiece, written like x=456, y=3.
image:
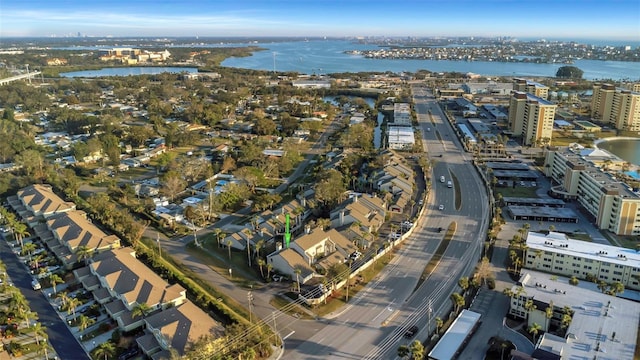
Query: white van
x=35, y=284
x=449, y=185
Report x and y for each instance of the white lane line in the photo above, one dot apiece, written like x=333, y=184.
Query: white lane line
x=291, y=333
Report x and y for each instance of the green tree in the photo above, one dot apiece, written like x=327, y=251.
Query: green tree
x=72, y=305
x=569, y=72
x=417, y=350
x=403, y=352
x=141, y=309
x=55, y=279
x=105, y=350
x=534, y=329
x=439, y=323
x=84, y=322
x=458, y=301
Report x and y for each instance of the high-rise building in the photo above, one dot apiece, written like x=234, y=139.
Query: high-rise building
x=531, y=87
x=531, y=117
x=616, y=106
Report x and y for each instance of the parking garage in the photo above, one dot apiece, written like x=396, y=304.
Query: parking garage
x=542, y=213
x=533, y=202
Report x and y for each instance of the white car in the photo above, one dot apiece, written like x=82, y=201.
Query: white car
x=407, y=224
x=533, y=183
x=441, y=207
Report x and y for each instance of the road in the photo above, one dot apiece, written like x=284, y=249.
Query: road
x=59, y=335
x=373, y=324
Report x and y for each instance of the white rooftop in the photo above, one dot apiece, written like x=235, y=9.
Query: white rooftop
x=451, y=341
x=561, y=243
x=596, y=317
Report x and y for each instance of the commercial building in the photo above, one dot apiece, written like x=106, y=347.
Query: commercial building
x=612, y=204
x=531, y=117
x=616, y=106
x=400, y=137
x=531, y=87
x=558, y=254
x=454, y=339
x=401, y=114
x=595, y=325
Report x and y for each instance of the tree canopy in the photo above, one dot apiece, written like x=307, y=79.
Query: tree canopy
x=570, y=72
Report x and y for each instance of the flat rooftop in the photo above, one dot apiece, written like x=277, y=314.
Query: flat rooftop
x=538, y=201
x=596, y=318
x=542, y=211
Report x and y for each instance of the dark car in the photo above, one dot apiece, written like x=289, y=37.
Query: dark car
x=131, y=352
x=411, y=332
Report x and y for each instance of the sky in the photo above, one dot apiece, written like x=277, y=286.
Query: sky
x=559, y=19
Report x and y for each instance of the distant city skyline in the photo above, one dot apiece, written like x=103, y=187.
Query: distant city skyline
x=566, y=19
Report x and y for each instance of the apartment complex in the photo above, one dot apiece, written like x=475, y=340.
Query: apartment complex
x=596, y=325
x=38, y=202
x=400, y=134
x=531, y=87
x=612, y=203
x=557, y=253
x=531, y=117
x=616, y=106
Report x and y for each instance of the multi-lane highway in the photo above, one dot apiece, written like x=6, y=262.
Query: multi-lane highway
x=372, y=325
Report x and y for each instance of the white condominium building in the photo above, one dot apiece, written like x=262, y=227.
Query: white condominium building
x=612, y=203
x=557, y=253
x=531, y=87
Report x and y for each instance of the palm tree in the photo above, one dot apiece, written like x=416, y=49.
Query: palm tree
x=458, y=301
x=229, y=243
x=55, y=279
x=141, y=309
x=106, y=350
x=43, y=349
x=84, y=322
x=439, y=323
x=260, y=265
x=64, y=298
x=403, y=352
x=20, y=232
x=38, y=332
x=534, y=329
x=84, y=253
x=464, y=284
x=417, y=350
x=27, y=316
x=28, y=249
x=72, y=305
x=529, y=306
x=548, y=314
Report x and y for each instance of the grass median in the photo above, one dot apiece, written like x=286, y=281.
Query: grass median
x=435, y=259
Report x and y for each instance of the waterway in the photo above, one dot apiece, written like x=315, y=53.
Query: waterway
x=377, y=131
x=129, y=71
x=325, y=57
x=626, y=149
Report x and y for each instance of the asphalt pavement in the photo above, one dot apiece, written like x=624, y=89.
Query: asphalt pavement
x=64, y=343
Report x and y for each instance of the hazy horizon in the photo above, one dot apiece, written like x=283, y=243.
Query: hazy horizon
x=617, y=20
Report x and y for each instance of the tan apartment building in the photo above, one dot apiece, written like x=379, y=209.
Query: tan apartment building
x=531, y=117
x=531, y=87
x=558, y=254
x=617, y=106
x=611, y=203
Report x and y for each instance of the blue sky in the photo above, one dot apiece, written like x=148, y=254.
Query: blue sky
x=580, y=19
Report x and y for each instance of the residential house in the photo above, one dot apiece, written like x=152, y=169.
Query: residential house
x=368, y=212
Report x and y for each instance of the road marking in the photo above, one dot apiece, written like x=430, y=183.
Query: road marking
x=291, y=333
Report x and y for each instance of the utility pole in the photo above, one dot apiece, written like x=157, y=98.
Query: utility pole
x=28, y=75
x=429, y=311
x=159, y=248
x=250, y=299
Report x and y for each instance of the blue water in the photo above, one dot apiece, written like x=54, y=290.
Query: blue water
x=633, y=174
x=324, y=57
x=128, y=71
x=626, y=149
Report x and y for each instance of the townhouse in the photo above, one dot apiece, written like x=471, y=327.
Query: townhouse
x=38, y=202
x=121, y=282
x=613, y=205
x=558, y=254
x=367, y=211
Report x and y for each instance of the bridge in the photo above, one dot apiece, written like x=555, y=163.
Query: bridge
x=28, y=76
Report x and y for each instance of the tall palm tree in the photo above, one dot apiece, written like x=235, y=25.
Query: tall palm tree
x=261, y=265
x=20, y=232
x=43, y=349
x=106, y=350
x=28, y=249
x=55, y=279
x=229, y=243
x=84, y=322
x=72, y=305
x=534, y=329
x=38, y=332
x=439, y=323
x=64, y=298
x=269, y=269
x=83, y=253
x=548, y=314
x=458, y=301
x=141, y=309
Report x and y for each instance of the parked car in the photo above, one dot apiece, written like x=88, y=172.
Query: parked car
x=441, y=207
x=533, y=183
x=35, y=284
x=277, y=278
